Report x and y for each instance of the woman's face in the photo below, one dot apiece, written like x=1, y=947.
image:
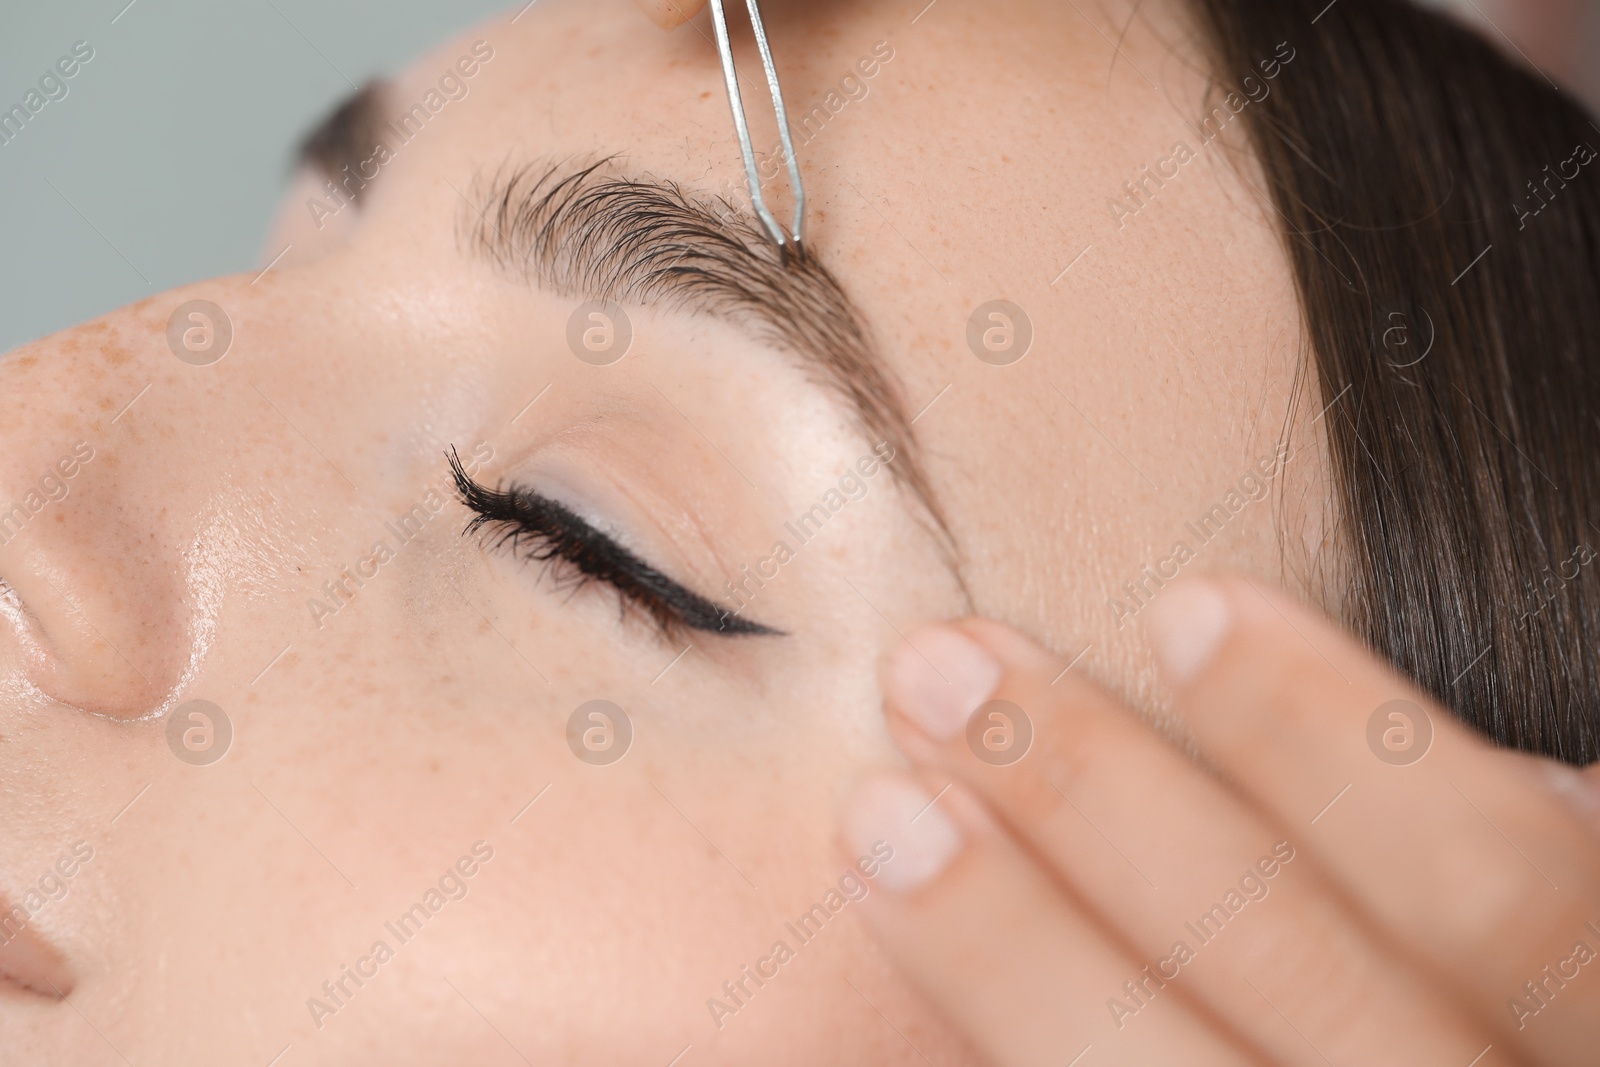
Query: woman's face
x=412, y=849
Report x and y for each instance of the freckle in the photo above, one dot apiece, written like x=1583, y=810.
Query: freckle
x=705, y=96
x=106, y=403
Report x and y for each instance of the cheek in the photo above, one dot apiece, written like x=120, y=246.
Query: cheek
x=379, y=753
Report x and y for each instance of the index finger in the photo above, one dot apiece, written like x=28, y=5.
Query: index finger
x=1468, y=856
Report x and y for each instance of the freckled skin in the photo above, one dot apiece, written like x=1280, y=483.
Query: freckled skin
x=424, y=710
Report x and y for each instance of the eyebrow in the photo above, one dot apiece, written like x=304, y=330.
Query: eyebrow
x=590, y=232
x=345, y=138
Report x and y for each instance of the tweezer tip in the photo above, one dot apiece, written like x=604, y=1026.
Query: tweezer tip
x=793, y=252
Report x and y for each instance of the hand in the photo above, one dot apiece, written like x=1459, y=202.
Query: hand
x=670, y=14
x=1353, y=881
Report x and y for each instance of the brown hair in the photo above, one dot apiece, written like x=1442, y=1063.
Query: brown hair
x=1436, y=198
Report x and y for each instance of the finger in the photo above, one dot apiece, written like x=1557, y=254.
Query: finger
x=1206, y=891
x=1582, y=790
x=1474, y=858
x=670, y=14
x=993, y=943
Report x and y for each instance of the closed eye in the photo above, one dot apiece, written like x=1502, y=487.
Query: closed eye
x=575, y=553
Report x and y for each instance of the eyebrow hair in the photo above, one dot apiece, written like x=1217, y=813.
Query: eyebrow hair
x=589, y=231
x=345, y=138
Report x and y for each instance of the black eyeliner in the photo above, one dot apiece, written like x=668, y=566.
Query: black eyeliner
x=559, y=535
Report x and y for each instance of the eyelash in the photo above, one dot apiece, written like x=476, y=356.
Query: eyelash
x=575, y=553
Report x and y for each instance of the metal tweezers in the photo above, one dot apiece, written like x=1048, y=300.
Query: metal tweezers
x=789, y=243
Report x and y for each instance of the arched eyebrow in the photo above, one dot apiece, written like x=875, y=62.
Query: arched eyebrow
x=590, y=232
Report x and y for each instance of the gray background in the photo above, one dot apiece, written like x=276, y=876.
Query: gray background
x=164, y=162
x=171, y=147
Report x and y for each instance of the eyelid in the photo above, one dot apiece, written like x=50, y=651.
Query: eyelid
x=582, y=504
x=568, y=538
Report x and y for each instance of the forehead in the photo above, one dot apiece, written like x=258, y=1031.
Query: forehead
x=968, y=156
x=921, y=142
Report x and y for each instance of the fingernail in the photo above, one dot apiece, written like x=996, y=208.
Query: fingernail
x=938, y=678
x=1186, y=625
x=896, y=812
x=1581, y=791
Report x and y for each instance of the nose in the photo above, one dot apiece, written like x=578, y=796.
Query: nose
x=91, y=544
